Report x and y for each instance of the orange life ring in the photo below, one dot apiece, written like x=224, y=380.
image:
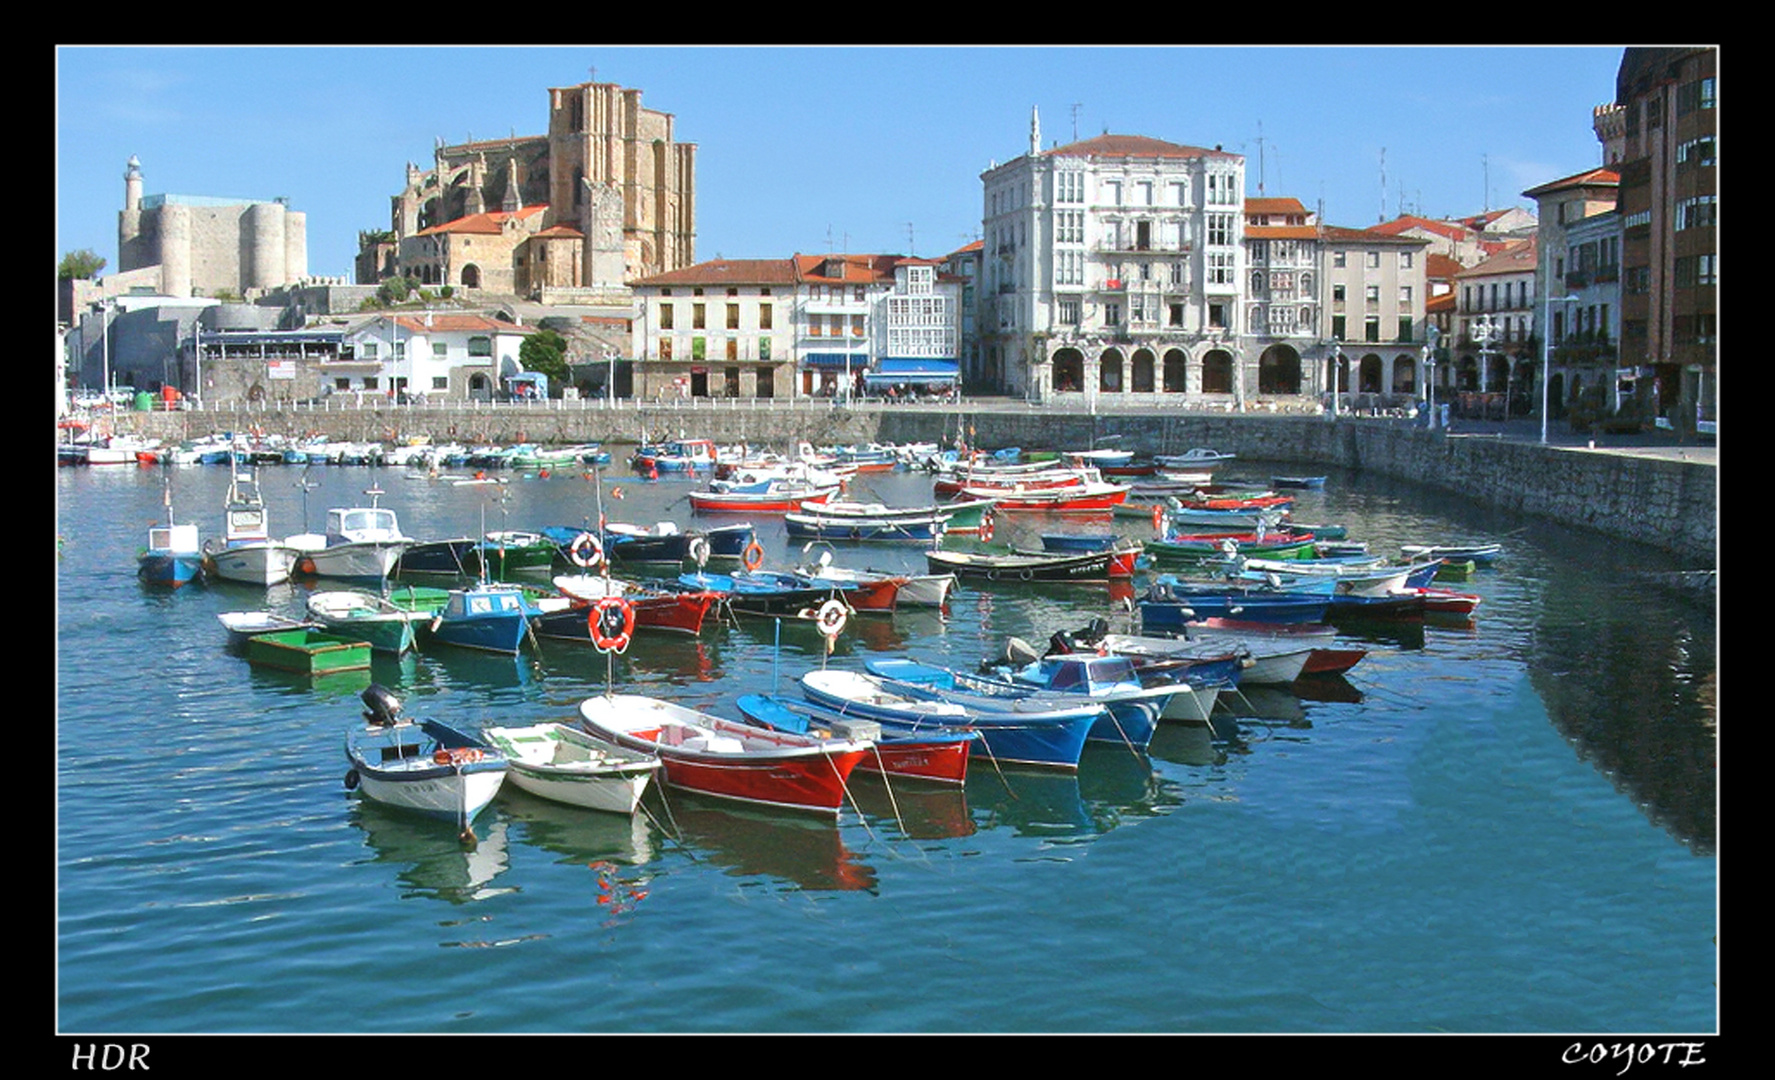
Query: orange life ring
x=1158, y=516
x=606, y=638
x=986, y=526
x=753, y=556
x=831, y=618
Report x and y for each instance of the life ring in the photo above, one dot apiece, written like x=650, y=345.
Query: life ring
x=831, y=618
x=612, y=624
x=456, y=755
x=699, y=551
x=986, y=526
x=585, y=552
x=1158, y=516
x=753, y=556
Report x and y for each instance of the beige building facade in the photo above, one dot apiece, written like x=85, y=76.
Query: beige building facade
x=192, y=245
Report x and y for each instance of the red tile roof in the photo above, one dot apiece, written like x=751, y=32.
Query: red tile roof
x=448, y=323
x=490, y=223
x=1275, y=205
x=1598, y=177
x=727, y=272
x=1517, y=257
x=1438, y=265
x=1407, y=222
x=1137, y=146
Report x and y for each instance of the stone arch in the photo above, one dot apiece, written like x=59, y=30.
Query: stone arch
x=1109, y=372
x=1405, y=374
x=1278, y=370
x=1068, y=371
x=1140, y=374
x=471, y=276
x=1217, y=372
x=1174, y=372
x=1467, y=373
x=1368, y=374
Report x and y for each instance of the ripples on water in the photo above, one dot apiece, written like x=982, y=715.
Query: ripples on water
x=1497, y=825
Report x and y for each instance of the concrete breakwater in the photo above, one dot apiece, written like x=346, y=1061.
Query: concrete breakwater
x=1661, y=501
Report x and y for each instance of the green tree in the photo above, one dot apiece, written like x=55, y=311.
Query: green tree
x=545, y=351
x=84, y=263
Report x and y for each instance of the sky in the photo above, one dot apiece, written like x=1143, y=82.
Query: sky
x=873, y=149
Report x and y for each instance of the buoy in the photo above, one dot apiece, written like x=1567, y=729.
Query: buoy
x=612, y=623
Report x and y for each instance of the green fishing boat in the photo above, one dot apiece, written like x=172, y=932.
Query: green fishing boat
x=307, y=652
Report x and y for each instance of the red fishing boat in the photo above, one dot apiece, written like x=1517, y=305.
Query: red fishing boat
x=939, y=755
x=680, y=611
x=728, y=759
x=763, y=497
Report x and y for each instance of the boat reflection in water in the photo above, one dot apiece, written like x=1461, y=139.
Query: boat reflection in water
x=921, y=811
x=434, y=862
x=800, y=849
x=1186, y=743
x=1112, y=787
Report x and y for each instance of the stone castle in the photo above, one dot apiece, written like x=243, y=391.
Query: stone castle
x=189, y=245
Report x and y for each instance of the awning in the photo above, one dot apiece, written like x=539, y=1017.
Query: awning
x=895, y=369
x=856, y=361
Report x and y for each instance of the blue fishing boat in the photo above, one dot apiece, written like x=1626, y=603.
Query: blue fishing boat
x=768, y=593
x=1165, y=607
x=866, y=521
x=1031, y=732
x=421, y=765
x=174, y=556
x=490, y=616
x=1132, y=709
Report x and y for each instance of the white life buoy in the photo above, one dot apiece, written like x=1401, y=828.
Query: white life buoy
x=831, y=617
x=586, y=551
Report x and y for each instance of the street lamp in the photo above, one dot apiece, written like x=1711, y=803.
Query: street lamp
x=1337, y=353
x=1431, y=334
x=1547, y=350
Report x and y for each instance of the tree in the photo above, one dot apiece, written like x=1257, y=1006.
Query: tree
x=545, y=351
x=84, y=263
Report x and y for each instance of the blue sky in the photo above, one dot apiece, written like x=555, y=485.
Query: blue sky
x=813, y=149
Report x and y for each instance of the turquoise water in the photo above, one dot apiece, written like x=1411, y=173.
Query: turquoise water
x=1505, y=825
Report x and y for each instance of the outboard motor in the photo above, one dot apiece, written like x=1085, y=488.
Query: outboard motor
x=1060, y=643
x=383, y=708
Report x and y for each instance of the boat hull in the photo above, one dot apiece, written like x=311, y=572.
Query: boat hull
x=395, y=766
x=562, y=764
x=797, y=773
x=933, y=757
x=307, y=652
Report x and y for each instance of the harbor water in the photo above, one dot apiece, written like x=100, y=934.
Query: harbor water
x=1503, y=824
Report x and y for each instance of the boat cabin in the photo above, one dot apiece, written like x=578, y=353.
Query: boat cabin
x=359, y=524
x=470, y=602
x=173, y=538
x=246, y=521
x=1083, y=674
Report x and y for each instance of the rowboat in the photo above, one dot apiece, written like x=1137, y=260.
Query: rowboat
x=1208, y=547
x=1073, y=498
x=242, y=626
x=421, y=765
x=363, y=616
x=1194, y=458
x=563, y=764
x=1446, y=601
x=901, y=590
x=768, y=593
x=508, y=552
x=307, y=651
x=1033, y=566
x=679, y=611
x=1309, y=483
x=1033, y=731
x=935, y=755
x=1326, y=658
x=1165, y=608
x=1131, y=710
x=1482, y=554
x=1262, y=662
x=725, y=758
x=766, y=496
x=866, y=521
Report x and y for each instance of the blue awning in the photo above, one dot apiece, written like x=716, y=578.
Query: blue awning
x=856, y=361
x=913, y=369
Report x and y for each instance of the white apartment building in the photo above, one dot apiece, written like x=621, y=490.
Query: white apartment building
x=1373, y=329
x=1282, y=300
x=1113, y=267
x=436, y=355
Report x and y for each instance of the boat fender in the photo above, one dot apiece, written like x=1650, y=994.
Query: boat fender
x=612, y=623
x=1158, y=516
x=585, y=552
x=1025, y=575
x=699, y=551
x=831, y=618
x=351, y=780
x=753, y=556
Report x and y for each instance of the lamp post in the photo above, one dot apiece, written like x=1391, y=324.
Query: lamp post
x=1431, y=334
x=1337, y=353
x=1547, y=350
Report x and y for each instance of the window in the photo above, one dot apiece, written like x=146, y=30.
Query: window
x=764, y=353
x=440, y=350
x=1338, y=258
x=1337, y=327
x=1693, y=270
x=1220, y=229
x=665, y=317
x=733, y=353
x=1176, y=315
x=1337, y=293
x=733, y=316
x=1371, y=328
x=697, y=318
x=1179, y=193
x=1404, y=328
x=1696, y=213
x=1695, y=152
x=1069, y=227
x=1069, y=312
x=699, y=348
x=1217, y=319
x=665, y=348
x=440, y=382
x=1694, y=95
x=1221, y=190
x=1371, y=295
x=1143, y=193
x=1069, y=187
x=1220, y=269
x=367, y=350
x=1372, y=260
x=764, y=317
x=1405, y=296
x=1112, y=314
x=1405, y=259
x=1112, y=193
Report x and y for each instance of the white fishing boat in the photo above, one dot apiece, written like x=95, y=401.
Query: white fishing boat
x=422, y=765
x=564, y=764
x=245, y=552
x=361, y=543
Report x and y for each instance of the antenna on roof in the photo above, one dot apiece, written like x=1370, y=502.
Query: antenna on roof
x=1260, y=159
x=1076, y=106
x=1383, y=214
